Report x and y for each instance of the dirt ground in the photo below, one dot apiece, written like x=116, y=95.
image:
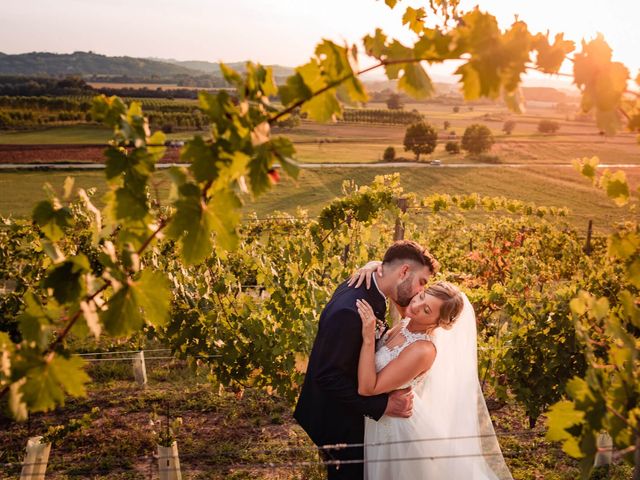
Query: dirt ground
x=22, y=154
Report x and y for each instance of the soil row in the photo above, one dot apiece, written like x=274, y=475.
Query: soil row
x=64, y=154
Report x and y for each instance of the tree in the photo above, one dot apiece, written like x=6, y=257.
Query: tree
x=389, y=154
x=394, y=102
x=548, y=126
x=456, y=109
x=477, y=138
x=452, y=147
x=508, y=126
x=420, y=138
x=446, y=124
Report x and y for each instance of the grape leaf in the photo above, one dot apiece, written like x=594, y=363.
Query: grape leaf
x=414, y=17
x=616, y=186
x=47, y=383
x=66, y=279
x=562, y=416
x=52, y=220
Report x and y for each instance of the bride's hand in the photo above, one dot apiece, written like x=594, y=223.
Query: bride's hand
x=365, y=273
x=369, y=321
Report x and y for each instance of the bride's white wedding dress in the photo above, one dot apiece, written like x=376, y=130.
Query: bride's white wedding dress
x=450, y=434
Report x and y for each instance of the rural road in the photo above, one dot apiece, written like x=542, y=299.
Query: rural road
x=100, y=166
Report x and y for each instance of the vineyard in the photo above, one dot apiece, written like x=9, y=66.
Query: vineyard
x=238, y=300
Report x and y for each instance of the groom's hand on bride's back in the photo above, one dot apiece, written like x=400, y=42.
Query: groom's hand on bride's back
x=400, y=403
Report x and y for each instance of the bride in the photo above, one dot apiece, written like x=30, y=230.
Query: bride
x=434, y=350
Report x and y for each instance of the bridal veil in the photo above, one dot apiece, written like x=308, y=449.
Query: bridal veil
x=455, y=411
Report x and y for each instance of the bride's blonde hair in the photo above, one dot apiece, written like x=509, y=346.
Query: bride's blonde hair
x=452, y=302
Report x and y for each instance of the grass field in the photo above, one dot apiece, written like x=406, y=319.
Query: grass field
x=72, y=134
x=316, y=187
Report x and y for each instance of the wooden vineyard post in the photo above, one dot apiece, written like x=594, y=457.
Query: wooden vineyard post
x=36, y=459
x=587, y=246
x=604, y=444
x=398, y=234
x=168, y=462
x=139, y=368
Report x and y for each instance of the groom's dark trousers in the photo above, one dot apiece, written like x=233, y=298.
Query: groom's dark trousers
x=329, y=408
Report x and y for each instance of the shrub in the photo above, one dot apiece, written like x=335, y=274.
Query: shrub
x=452, y=147
x=394, y=102
x=456, y=109
x=389, y=154
x=508, y=127
x=485, y=158
x=477, y=139
x=548, y=126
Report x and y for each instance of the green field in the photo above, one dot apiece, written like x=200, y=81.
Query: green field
x=71, y=134
x=552, y=186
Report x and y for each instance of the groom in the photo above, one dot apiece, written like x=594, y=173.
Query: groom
x=329, y=408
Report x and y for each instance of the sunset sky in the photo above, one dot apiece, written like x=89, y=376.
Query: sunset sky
x=274, y=31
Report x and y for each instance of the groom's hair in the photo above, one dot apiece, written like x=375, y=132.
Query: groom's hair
x=408, y=250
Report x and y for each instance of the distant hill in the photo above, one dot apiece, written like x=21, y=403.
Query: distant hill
x=214, y=67
x=88, y=64
x=544, y=94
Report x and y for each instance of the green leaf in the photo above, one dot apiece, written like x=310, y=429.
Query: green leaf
x=259, y=167
x=376, y=45
x=563, y=416
x=123, y=205
x=202, y=159
x=623, y=245
x=587, y=167
x=616, y=186
x=230, y=75
x=146, y=299
x=396, y=52
x=117, y=162
x=47, y=383
x=66, y=279
x=223, y=213
x=52, y=220
x=123, y=314
x=194, y=222
x=470, y=81
x=551, y=57
x=415, y=81
x=108, y=110
x=230, y=168
x=294, y=90
x=34, y=321
x=190, y=225
x=633, y=273
x=153, y=294
x=284, y=150
x=414, y=18
x=322, y=107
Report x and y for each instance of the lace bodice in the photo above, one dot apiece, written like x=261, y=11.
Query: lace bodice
x=384, y=354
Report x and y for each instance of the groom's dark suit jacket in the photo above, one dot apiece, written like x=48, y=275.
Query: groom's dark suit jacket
x=329, y=408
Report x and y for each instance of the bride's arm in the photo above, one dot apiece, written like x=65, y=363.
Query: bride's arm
x=414, y=360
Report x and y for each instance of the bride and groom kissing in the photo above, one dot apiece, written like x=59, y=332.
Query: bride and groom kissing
x=402, y=402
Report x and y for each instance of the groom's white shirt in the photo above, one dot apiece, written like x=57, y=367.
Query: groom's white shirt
x=375, y=282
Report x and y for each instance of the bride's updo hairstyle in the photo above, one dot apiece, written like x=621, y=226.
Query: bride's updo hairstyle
x=452, y=302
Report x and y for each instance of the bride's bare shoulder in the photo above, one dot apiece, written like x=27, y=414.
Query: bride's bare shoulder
x=422, y=351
